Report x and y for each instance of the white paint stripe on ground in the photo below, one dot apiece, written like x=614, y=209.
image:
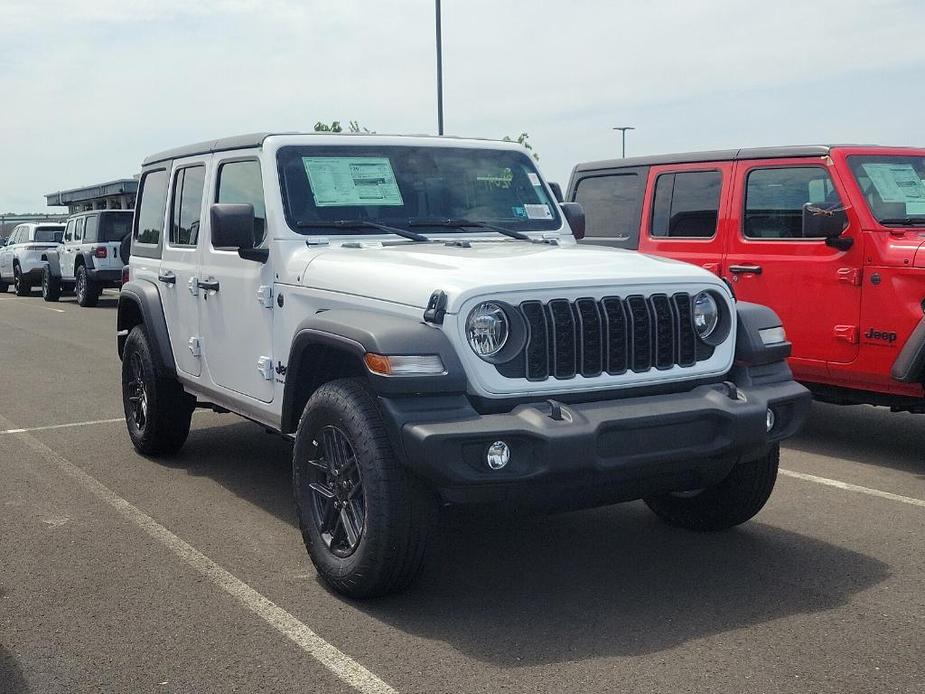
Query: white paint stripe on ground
x=340, y=664
x=56, y=310
x=62, y=426
x=848, y=487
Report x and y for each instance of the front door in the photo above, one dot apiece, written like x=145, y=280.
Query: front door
x=180, y=262
x=813, y=287
x=683, y=217
x=236, y=326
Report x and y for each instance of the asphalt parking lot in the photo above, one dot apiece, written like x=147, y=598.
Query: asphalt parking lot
x=119, y=573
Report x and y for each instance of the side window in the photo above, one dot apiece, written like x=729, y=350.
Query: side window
x=187, y=205
x=612, y=206
x=14, y=237
x=241, y=182
x=79, y=229
x=774, y=200
x=91, y=231
x=152, y=197
x=686, y=204
x=69, y=230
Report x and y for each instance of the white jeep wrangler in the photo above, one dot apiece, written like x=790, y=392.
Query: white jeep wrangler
x=414, y=313
x=87, y=260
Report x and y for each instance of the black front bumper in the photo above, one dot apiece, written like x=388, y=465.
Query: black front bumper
x=599, y=452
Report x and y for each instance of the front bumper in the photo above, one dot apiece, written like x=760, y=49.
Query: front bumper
x=604, y=451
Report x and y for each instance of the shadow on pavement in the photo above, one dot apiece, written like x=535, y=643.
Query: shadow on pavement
x=603, y=582
x=11, y=677
x=864, y=434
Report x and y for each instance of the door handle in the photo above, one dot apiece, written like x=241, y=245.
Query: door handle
x=211, y=285
x=167, y=278
x=738, y=269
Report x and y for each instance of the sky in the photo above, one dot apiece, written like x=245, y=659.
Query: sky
x=88, y=89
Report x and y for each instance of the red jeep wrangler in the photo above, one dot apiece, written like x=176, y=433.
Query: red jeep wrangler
x=831, y=237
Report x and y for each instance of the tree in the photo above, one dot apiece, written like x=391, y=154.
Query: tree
x=335, y=127
x=523, y=139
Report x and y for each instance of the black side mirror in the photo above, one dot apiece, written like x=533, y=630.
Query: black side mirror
x=827, y=221
x=575, y=216
x=556, y=191
x=233, y=226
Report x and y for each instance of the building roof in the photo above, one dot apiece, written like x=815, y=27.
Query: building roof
x=716, y=155
x=122, y=186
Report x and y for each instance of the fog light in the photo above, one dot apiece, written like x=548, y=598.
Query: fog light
x=770, y=419
x=499, y=453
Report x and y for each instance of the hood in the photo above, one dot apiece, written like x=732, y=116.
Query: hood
x=409, y=273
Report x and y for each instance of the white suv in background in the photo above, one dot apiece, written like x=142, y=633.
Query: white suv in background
x=88, y=259
x=21, y=262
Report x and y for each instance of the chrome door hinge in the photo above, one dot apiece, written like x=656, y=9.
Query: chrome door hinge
x=194, y=347
x=265, y=295
x=193, y=286
x=265, y=367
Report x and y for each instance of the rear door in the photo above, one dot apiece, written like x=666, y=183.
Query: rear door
x=684, y=216
x=813, y=287
x=180, y=262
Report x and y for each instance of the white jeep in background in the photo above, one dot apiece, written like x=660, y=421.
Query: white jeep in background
x=414, y=313
x=88, y=259
x=21, y=259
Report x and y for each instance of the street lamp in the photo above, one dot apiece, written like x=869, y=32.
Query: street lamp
x=621, y=128
x=439, y=70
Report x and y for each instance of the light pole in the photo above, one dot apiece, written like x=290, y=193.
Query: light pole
x=622, y=129
x=439, y=71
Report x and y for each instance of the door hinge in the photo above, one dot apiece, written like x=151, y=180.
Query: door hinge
x=193, y=286
x=848, y=333
x=850, y=275
x=265, y=367
x=265, y=295
x=194, y=347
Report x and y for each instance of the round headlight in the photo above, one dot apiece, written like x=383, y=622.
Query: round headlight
x=706, y=315
x=487, y=329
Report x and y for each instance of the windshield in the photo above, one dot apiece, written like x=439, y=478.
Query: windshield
x=401, y=185
x=115, y=225
x=48, y=234
x=894, y=187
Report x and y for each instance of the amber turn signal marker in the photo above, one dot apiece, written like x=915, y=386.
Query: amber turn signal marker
x=378, y=363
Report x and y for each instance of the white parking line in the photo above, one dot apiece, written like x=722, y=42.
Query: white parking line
x=62, y=426
x=340, y=664
x=853, y=487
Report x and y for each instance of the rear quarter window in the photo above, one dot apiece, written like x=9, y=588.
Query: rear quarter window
x=152, y=203
x=612, y=203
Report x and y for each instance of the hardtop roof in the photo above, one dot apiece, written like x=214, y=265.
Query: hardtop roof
x=722, y=155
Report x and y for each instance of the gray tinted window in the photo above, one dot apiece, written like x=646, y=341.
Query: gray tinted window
x=686, y=204
x=774, y=200
x=153, y=202
x=187, y=206
x=92, y=228
x=612, y=206
x=241, y=182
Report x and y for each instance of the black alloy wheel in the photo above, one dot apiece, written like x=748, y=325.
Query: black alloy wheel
x=137, y=392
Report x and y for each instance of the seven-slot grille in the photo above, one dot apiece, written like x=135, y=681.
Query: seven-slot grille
x=610, y=335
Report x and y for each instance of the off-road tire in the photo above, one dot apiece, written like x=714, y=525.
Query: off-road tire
x=23, y=288
x=3, y=287
x=86, y=290
x=400, y=512
x=168, y=409
x=741, y=495
x=51, y=285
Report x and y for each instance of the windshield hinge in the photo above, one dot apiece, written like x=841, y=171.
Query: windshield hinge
x=436, y=308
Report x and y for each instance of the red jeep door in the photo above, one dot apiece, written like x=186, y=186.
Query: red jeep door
x=683, y=214
x=813, y=287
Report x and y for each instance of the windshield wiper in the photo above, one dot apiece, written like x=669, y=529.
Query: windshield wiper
x=461, y=223
x=360, y=224
x=905, y=221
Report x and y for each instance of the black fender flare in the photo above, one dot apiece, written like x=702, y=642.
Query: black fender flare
x=358, y=331
x=54, y=262
x=749, y=347
x=87, y=261
x=909, y=366
x=141, y=297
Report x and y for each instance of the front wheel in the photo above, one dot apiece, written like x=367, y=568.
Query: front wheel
x=366, y=521
x=87, y=291
x=158, y=411
x=741, y=495
x=51, y=285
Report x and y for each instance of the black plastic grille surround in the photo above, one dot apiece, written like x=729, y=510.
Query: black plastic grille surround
x=612, y=335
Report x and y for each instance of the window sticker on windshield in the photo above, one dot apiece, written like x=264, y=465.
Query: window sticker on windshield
x=349, y=181
x=896, y=182
x=538, y=211
x=519, y=212
x=534, y=179
x=915, y=207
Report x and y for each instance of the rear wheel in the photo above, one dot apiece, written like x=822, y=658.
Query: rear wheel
x=87, y=291
x=51, y=285
x=3, y=287
x=23, y=288
x=366, y=521
x=158, y=411
x=741, y=495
